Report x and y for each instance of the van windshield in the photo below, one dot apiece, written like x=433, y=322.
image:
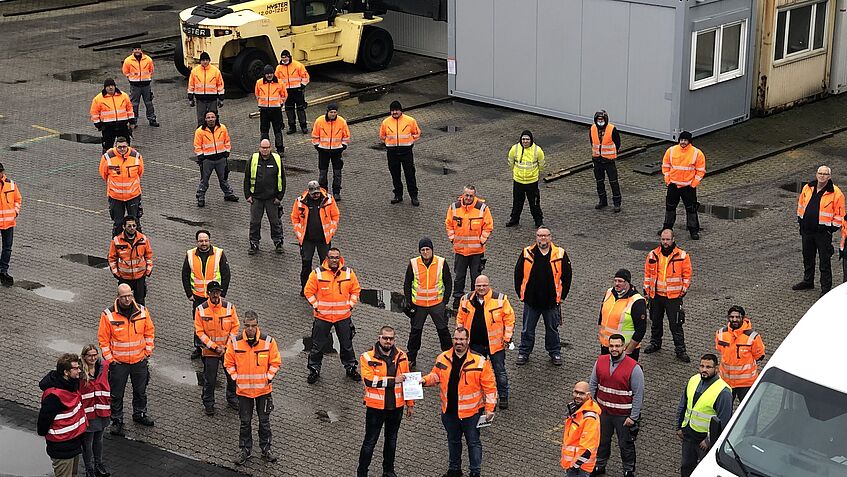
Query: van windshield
x=789, y=427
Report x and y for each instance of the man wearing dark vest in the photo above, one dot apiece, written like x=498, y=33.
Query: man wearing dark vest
x=264, y=187
x=617, y=384
x=427, y=282
x=605, y=143
x=61, y=419
x=624, y=311
x=705, y=396
x=202, y=265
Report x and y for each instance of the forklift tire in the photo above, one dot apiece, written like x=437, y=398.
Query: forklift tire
x=179, y=60
x=376, y=49
x=248, y=66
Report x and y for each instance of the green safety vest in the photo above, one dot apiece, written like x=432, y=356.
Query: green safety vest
x=526, y=163
x=699, y=414
x=254, y=164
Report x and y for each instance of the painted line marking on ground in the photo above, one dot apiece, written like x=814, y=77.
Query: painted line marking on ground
x=43, y=128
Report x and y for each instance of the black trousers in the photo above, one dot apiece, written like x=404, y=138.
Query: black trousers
x=210, y=378
x=307, y=252
x=264, y=405
x=203, y=107
x=375, y=419
x=272, y=117
x=321, y=337
x=688, y=195
x=610, y=425
x=659, y=307
x=740, y=393
x=606, y=167
x=325, y=156
x=439, y=318
x=139, y=288
x=691, y=454
x=295, y=102
x=461, y=265
x=139, y=374
x=260, y=208
x=531, y=194
x=404, y=159
x=112, y=132
x=118, y=209
x=819, y=243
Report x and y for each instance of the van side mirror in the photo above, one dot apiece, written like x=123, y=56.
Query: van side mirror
x=715, y=428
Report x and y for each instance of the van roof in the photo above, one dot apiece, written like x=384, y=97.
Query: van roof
x=805, y=354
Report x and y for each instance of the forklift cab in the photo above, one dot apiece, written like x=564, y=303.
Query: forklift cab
x=306, y=12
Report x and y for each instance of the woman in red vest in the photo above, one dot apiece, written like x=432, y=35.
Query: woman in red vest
x=61, y=419
x=97, y=403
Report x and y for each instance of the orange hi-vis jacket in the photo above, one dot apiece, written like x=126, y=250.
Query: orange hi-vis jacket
x=126, y=339
x=831, y=212
x=206, y=82
x=215, y=325
x=10, y=203
x=328, y=211
x=331, y=134
x=213, y=270
x=403, y=131
x=556, y=257
x=252, y=367
x=138, y=71
x=111, y=108
x=667, y=276
x=292, y=75
x=683, y=167
x=469, y=226
x=122, y=173
x=739, y=350
x=605, y=148
x=582, y=437
x=130, y=260
x=477, y=387
x=213, y=144
x=70, y=424
x=270, y=94
x=332, y=294
x=499, y=317
x=378, y=380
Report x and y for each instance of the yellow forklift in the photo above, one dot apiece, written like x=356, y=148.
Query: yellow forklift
x=242, y=36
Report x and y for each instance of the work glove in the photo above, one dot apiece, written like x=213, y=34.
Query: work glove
x=316, y=147
x=99, y=126
x=191, y=103
x=220, y=102
x=344, y=147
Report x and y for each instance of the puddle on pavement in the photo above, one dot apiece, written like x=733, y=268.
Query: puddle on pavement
x=81, y=138
x=795, y=186
x=329, y=416
x=443, y=170
x=63, y=346
x=14, y=82
x=193, y=223
x=188, y=377
x=641, y=245
x=296, y=348
x=90, y=260
x=450, y=129
x=45, y=291
x=157, y=8
x=77, y=75
x=384, y=299
x=730, y=213
x=22, y=452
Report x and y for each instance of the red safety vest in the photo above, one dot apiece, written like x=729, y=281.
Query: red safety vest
x=97, y=395
x=613, y=392
x=67, y=425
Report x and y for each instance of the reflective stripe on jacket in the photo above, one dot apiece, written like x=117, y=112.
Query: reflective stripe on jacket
x=526, y=164
x=201, y=275
x=206, y=81
x=698, y=415
x=96, y=394
x=469, y=226
x=270, y=94
x=137, y=70
x=499, y=317
x=110, y=108
x=831, y=212
x=130, y=260
x=556, y=257
x=215, y=325
x=70, y=424
x=330, y=134
x=292, y=75
x=614, y=394
x=212, y=143
x=332, y=294
x=671, y=280
x=252, y=367
x=10, y=203
x=377, y=381
x=739, y=350
x=606, y=147
x=477, y=387
x=582, y=437
x=328, y=211
x=403, y=131
x=254, y=165
x=617, y=317
x=428, y=284
x=684, y=167
x=126, y=340
x=122, y=173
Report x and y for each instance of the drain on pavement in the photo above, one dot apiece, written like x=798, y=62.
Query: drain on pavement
x=443, y=170
x=730, y=213
x=81, y=138
x=450, y=129
x=90, y=260
x=77, y=75
x=795, y=186
x=193, y=223
x=384, y=299
x=157, y=8
x=327, y=416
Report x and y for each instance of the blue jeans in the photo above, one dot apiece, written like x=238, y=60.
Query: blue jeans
x=498, y=364
x=455, y=428
x=6, y=254
x=551, y=330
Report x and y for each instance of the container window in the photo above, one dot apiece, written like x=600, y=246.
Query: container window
x=704, y=61
x=779, y=50
x=731, y=49
x=800, y=30
x=820, y=25
x=717, y=54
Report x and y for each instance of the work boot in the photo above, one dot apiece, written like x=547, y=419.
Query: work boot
x=473, y=474
x=278, y=247
x=629, y=473
x=354, y=375
x=617, y=209
x=598, y=471
x=304, y=129
x=601, y=205
x=210, y=410
x=695, y=235
x=556, y=359
x=682, y=356
x=512, y=223
x=254, y=248
x=117, y=428
x=201, y=202
x=652, y=348
x=453, y=473
x=101, y=471
x=337, y=196
x=291, y=130
x=154, y=123
x=231, y=198
x=522, y=359
x=196, y=353
x=803, y=286
x=415, y=202
x=243, y=455
x=90, y=473
x=144, y=420
x=503, y=404
x=397, y=199
x=6, y=280
x=313, y=376
x=268, y=456
x=389, y=474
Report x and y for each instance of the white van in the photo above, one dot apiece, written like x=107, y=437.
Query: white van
x=793, y=422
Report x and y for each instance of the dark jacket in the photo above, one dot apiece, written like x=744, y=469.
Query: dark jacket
x=50, y=407
x=186, y=272
x=267, y=179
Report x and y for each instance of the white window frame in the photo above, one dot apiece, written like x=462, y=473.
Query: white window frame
x=811, y=51
x=717, y=76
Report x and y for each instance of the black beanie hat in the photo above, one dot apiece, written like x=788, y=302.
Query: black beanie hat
x=685, y=135
x=395, y=106
x=625, y=274
x=268, y=70
x=136, y=46
x=205, y=56
x=1, y=167
x=285, y=53
x=109, y=82
x=331, y=107
x=527, y=132
x=425, y=242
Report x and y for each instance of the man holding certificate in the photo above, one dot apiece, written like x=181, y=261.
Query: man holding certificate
x=468, y=393
x=382, y=369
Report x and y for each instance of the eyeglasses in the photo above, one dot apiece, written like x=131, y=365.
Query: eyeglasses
x=92, y=355
x=388, y=338
x=579, y=393
x=824, y=174
x=333, y=258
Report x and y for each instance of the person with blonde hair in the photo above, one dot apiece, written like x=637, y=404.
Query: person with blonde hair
x=97, y=402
